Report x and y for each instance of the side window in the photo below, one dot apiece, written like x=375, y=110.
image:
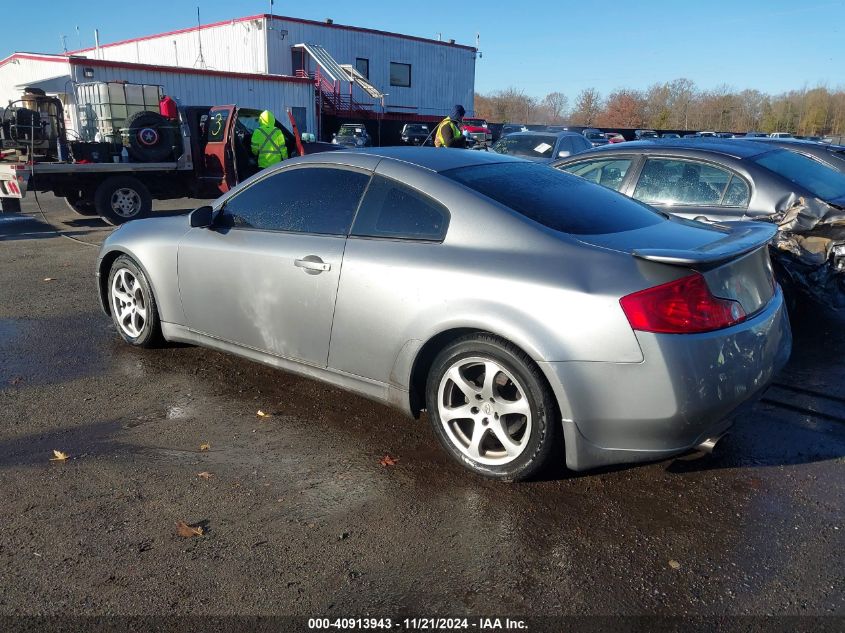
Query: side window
x=318, y=200
x=391, y=209
x=683, y=182
x=609, y=173
x=737, y=194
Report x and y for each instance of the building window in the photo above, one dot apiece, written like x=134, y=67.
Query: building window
x=363, y=66
x=400, y=75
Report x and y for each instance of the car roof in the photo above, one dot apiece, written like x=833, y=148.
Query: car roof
x=737, y=148
x=555, y=133
x=431, y=158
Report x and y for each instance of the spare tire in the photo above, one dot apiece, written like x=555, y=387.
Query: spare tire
x=150, y=137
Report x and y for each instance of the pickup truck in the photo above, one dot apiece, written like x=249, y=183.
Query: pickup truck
x=211, y=155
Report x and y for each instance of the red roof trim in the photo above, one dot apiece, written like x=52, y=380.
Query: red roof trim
x=39, y=58
x=360, y=29
x=179, y=70
x=282, y=18
x=169, y=33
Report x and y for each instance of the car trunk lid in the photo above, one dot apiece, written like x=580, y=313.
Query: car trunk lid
x=733, y=257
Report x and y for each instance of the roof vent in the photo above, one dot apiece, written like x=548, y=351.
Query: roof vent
x=329, y=21
x=451, y=41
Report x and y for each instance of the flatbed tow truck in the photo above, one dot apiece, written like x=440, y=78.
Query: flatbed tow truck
x=211, y=146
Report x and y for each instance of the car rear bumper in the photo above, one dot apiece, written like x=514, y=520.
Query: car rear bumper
x=685, y=391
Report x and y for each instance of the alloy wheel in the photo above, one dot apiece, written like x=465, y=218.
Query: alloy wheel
x=128, y=302
x=126, y=202
x=484, y=411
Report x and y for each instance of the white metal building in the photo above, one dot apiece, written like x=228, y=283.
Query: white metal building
x=266, y=61
x=418, y=76
x=57, y=75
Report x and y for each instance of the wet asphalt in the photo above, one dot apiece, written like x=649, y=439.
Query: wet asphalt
x=300, y=516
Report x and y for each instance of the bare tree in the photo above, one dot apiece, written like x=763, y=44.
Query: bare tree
x=555, y=104
x=588, y=106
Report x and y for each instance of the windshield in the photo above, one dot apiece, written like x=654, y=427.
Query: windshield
x=415, y=129
x=556, y=199
x=530, y=145
x=352, y=130
x=475, y=122
x=820, y=180
x=598, y=136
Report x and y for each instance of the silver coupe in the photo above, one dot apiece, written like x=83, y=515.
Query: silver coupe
x=527, y=310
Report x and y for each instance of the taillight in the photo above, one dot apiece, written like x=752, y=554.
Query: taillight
x=683, y=306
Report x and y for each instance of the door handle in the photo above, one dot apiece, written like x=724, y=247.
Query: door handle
x=312, y=265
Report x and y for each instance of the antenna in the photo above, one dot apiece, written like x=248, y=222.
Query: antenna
x=478, y=45
x=78, y=37
x=270, y=21
x=63, y=39
x=200, y=61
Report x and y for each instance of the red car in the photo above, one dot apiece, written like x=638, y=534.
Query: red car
x=614, y=137
x=478, y=130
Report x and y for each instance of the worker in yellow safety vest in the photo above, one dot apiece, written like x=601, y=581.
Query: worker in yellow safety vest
x=268, y=142
x=449, y=132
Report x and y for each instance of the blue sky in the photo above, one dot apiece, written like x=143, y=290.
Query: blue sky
x=771, y=45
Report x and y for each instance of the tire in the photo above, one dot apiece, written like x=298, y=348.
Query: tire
x=81, y=206
x=132, y=304
x=515, y=404
x=10, y=205
x=122, y=198
x=150, y=137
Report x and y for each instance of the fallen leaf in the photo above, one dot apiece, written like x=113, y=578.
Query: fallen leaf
x=674, y=564
x=49, y=279
x=261, y=414
x=205, y=446
x=387, y=460
x=58, y=456
x=186, y=531
x=205, y=475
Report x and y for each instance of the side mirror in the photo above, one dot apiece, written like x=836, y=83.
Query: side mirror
x=563, y=154
x=202, y=218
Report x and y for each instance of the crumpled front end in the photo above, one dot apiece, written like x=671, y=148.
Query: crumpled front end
x=809, y=249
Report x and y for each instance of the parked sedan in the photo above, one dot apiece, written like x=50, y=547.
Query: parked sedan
x=736, y=179
x=575, y=311
x=595, y=137
x=352, y=135
x=541, y=146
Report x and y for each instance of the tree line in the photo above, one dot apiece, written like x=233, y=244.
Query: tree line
x=676, y=105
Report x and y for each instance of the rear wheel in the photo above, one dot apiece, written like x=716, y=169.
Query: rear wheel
x=491, y=408
x=133, y=307
x=122, y=198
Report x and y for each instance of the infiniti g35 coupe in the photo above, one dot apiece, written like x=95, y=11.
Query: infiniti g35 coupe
x=522, y=307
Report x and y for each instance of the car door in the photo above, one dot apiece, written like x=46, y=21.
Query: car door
x=219, y=171
x=264, y=276
x=692, y=189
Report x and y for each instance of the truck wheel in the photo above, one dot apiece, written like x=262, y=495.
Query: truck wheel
x=82, y=206
x=151, y=137
x=122, y=198
x=10, y=205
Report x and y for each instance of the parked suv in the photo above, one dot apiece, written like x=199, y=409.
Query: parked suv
x=415, y=133
x=352, y=135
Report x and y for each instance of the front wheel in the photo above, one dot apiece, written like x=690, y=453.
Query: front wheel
x=122, y=198
x=491, y=408
x=132, y=305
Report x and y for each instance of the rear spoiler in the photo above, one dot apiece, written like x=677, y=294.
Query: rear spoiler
x=742, y=238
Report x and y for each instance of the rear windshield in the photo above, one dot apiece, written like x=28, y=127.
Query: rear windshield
x=534, y=146
x=820, y=180
x=556, y=199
